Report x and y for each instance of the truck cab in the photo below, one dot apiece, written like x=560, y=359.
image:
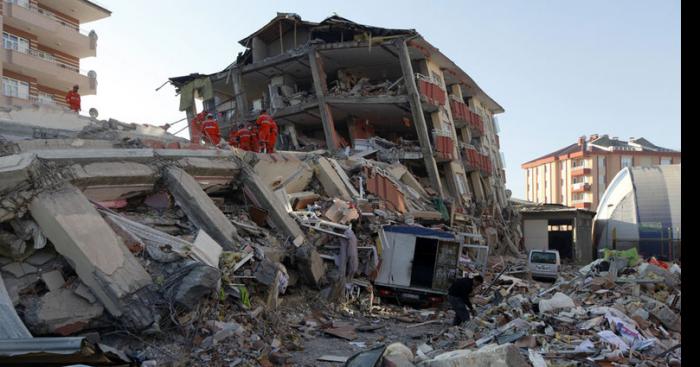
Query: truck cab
x=544, y=263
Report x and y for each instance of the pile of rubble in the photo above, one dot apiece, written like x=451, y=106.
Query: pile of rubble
x=349, y=83
x=615, y=311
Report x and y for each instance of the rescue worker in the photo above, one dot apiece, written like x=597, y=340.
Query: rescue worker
x=272, y=141
x=458, y=295
x=73, y=99
x=245, y=138
x=210, y=130
x=233, y=138
x=196, y=127
x=264, y=124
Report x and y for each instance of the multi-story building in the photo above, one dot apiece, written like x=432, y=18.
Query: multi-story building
x=338, y=84
x=42, y=47
x=578, y=174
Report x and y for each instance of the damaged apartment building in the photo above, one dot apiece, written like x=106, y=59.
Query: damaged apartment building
x=364, y=91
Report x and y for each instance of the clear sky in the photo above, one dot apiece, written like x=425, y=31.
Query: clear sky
x=560, y=69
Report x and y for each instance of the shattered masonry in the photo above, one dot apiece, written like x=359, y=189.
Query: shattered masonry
x=121, y=243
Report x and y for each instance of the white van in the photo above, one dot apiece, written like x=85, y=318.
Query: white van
x=544, y=263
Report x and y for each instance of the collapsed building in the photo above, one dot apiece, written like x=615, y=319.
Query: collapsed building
x=122, y=237
x=366, y=91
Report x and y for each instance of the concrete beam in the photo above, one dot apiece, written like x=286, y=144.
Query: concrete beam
x=199, y=207
x=97, y=254
x=320, y=86
x=269, y=201
x=419, y=117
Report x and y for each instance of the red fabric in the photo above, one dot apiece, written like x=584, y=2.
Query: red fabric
x=73, y=100
x=272, y=139
x=245, y=138
x=211, y=130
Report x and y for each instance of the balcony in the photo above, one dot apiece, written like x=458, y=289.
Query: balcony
x=48, y=71
x=582, y=205
x=460, y=112
x=580, y=187
x=431, y=93
x=50, y=30
x=580, y=171
x=476, y=124
x=444, y=146
x=475, y=161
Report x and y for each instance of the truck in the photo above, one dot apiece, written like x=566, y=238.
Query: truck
x=417, y=264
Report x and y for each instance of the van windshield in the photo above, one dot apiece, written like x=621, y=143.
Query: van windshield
x=543, y=257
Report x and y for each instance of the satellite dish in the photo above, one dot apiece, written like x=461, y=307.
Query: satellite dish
x=93, y=113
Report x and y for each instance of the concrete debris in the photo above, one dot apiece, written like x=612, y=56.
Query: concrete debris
x=60, y=312
x=198, y=283
x=204, y=255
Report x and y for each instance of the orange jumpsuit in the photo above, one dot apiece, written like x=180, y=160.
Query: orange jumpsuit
x=196, y=128
x=73, y=100
x=272, y=140
x=233, y=138
x=264, y=123
x=245, y=139
x=210, y=128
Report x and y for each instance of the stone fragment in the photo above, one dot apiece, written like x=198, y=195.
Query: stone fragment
x=491, y=355
x=53, y=279
x=199, y=282
x=60, y=312
x=310, y=265
x=19, y=269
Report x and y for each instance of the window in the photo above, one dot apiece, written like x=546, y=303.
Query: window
x=15, y=88
x=12, y=42
x=22, y=3
x=45, y=98
x=666, y=160
x=626, y=161
x=462, y=182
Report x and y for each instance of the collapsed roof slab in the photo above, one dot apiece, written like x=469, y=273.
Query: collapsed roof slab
x=200, y=208
x=97, y=254
x=104, y=181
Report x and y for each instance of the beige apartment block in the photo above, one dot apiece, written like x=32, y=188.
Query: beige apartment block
x=42, y=47
x=578, y=174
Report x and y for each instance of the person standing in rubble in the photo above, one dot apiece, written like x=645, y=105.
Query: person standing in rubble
x=458, y=295
x=272, y=140
x=243, y=138
x=210, y=128
x=73, y=99
x=265, y=125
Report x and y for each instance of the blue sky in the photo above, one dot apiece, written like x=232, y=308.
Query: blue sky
x=561, y=69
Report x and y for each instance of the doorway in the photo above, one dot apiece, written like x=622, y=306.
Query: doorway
x=561, y=237
x=424, y=262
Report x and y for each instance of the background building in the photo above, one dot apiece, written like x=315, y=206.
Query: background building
x=42, y=47
x=578, y=174
x=642, y=208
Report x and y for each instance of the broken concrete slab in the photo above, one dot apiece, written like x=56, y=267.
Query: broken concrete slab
x=332, y=183
x=19, y=269
x=199, y=207
x=300, y=200
x=60, y=312
x=492, y=355
x=98, y=255
x=105, y=181
x=15, y=170
x=83, y=291
x=287, y=171
x=265, y=198
x=341, y=212
x=53, y=279
x=11, y=326
x=310, y=265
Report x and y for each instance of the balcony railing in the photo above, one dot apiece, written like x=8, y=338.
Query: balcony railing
x=580, y=171
x=46, y=57
x=431, y=91
x=476, y=161
x=581, y=187
x=45, y=13
x=444, y=145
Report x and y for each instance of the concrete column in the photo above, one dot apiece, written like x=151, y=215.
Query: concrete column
x=199, y=207
x=239, y=92
x=419, y=117
x=475, y=178
x=98, y=255
x=320, y=86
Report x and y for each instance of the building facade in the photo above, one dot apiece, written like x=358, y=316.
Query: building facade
x=341, y=85
x=42, y=47
x=578, y=174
